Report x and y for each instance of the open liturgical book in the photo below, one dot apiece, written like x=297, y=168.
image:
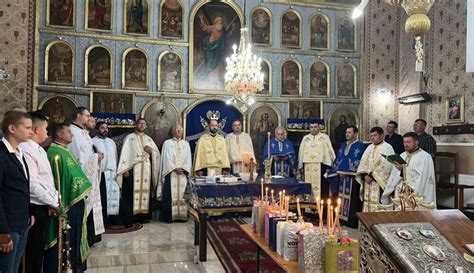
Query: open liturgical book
x=395, y=158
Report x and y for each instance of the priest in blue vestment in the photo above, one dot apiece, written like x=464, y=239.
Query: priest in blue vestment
x=282, y=154
x=342, y=176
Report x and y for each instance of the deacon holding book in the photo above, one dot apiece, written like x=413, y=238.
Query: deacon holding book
x=137, y=174
x=210, y=157
x=418, y=174
x=175, y=169
x=281, y=153
x=374, y=170
x=315, y=156
x=342, y=176
x=239, y=144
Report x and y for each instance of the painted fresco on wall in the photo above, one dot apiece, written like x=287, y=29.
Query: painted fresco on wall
x=308, y=109
x=136, y=17
x=267, y=72
x=346, y=34
x=161, y=116
x=216, y=28
x=58, y=108
x=290, y=78
x=290, y=29
x=319, y=31
x=345, y=80
x=338, y=121
x=135, y=69
x=170, y=72
x=59, y=64
x=261, y=26
x=263, y=119
x=99, y=67
x=319, y=79
x=99, y=15
x=116, y=102
x=171, y=19
x=60, y=13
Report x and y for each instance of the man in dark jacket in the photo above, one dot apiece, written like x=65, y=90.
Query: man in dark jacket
x=14, y=190
x=393, y=138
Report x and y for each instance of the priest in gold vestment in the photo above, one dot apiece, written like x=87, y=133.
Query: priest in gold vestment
x=374, y=170
x=239, y=145
x=211, y=155
x=315, y=156
x=137, y=174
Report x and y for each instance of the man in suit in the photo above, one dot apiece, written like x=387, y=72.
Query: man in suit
x=14, y=190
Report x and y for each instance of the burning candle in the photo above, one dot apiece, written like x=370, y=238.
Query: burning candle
x=298, y=207
x=280, y=202
x=321, y=208
x=266, y=194
x=328, y=221
x=287, y=200
x=261, y=190
x=58, y=178
x=331, y=219
x=273, y=198
x=337, y=221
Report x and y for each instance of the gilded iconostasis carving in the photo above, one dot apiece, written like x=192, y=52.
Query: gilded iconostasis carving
x=127, y=54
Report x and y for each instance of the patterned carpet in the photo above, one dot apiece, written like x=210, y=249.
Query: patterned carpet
x=122, y=229
x=235, y=249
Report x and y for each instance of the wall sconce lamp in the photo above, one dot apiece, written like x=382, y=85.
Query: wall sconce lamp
x=4, y=75
x=357, y=11
x=415, y=98
x=384, y=95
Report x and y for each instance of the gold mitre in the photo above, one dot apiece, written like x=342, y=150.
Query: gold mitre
x=214, y=117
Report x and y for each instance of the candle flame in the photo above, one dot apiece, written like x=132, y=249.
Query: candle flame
x=56, y=158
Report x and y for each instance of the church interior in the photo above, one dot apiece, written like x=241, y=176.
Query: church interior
x=276, y=66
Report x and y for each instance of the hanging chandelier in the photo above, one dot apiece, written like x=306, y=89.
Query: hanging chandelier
x=417, y=24
x=243, y=77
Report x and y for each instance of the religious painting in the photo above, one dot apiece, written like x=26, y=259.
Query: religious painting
x=134, y=69
x=318, y=3
x=319, y=79
x=215, y=28
x=99, y=15
x=455, y=109
x=291, y=29
x=263, y=118
x=59, y=64
x=170, y=71
x=58, y=108
x=339, y=120
x=305, y=109
x=60, y=13
x=98, y=67
x=290, y=78
x=161, y=116
x=113, y=102
x=319, y=31
x=346, y=35
x=346, y=80
x=171, y=19
x=136, y=17
x=267, y=78
x=261, y=26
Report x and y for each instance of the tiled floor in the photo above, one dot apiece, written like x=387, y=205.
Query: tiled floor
x=157, y=247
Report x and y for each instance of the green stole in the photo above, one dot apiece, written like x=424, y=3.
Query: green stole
x=75, y=186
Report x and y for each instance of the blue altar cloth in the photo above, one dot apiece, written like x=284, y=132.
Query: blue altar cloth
x=235, y=195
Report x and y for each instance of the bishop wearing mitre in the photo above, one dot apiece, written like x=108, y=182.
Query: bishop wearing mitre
x=239, y=147
x=211, y=157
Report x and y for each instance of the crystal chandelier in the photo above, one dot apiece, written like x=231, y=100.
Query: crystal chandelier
x=243, y=77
